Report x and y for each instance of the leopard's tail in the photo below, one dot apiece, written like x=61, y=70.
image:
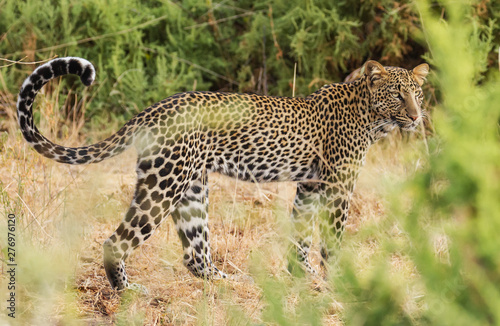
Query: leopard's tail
x=109, y=147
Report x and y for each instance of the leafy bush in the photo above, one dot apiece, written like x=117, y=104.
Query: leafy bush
x=147, y=50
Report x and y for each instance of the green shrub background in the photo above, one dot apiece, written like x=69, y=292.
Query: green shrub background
x=158, y=48
x=147, y=50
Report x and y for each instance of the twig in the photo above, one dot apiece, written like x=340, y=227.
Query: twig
x=213, y=22
x=194, y=65
x=422, y=130
x=264, y=59
x=98, y=37
x=34, y=217
x=13, y=62
x=294, y=77
x=279, y=55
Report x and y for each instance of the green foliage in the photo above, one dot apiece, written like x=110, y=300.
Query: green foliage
x=145, y=51
x=461, y=187
x=450, y=225
x=288, y=301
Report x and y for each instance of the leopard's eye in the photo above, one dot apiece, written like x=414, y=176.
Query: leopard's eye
x=418, y=93
x=397, y=95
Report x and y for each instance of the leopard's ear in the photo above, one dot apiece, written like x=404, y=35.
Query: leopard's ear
x=420, y=72
x=356, y=74
x=374, y=71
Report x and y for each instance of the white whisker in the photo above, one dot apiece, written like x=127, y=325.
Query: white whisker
x=379, y=124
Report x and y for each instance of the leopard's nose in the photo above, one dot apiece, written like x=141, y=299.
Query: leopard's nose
x=413, y=117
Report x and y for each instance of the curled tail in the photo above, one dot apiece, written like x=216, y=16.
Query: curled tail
x=112, y=146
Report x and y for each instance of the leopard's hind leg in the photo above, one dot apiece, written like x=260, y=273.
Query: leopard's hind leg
x=191, y=221
x=157, y=192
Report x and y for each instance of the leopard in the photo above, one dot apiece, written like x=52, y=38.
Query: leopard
x=320, y=142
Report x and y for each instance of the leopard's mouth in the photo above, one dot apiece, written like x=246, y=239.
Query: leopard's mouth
x=405, y=123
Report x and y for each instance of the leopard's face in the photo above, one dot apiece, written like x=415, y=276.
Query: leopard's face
x=396, y=96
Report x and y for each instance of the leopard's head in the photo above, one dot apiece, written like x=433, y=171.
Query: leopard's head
x=395, y=95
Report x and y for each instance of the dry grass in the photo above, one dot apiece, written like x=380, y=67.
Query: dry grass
x=66, y=212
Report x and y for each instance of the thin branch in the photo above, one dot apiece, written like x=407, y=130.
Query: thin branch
x=21, y=62
x=223, y=19
x=98, y=37
x=34, y=217
x=264, y=59
x=424, y=136
x=197, y=66
x=294, y=77
x=279, y=55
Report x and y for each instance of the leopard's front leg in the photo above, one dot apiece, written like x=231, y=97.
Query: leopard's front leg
x=327, y=202
x=304, y=218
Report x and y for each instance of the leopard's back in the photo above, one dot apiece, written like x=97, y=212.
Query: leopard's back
x=248, y=136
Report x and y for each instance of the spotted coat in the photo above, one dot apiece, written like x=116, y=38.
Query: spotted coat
x=319, y=141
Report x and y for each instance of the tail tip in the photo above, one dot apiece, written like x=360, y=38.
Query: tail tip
x=87, y=81
x=87, y=76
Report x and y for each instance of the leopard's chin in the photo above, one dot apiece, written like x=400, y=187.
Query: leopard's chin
x=410, y=127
